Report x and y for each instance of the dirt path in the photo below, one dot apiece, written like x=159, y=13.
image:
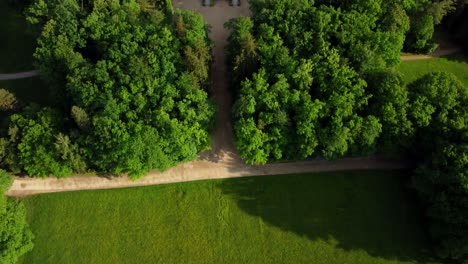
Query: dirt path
x=222, y=146
x=194, y=171
x=18, y=75
x=435, y=54
x=222, y=161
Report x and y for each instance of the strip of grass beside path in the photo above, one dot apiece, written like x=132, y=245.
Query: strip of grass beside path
x=456, y=64
x=17, y=44
x=345, y=217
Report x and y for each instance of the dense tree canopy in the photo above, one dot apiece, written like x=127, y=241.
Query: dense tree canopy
x=132, y=82
x=317, y=79
x=389, y=103
x=40, y=148
x=440, y=112
x=311, y=78
x=15, y=236
x=300, y=70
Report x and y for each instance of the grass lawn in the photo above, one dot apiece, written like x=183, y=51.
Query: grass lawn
x=347, y=217
x=456, y=64
x=16, y=45
x=28, y=90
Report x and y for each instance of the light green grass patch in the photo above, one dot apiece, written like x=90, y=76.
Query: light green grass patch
x=456, y=64
x=17, y=43
x=346, y=217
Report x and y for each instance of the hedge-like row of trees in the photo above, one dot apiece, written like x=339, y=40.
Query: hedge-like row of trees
x=318, y=80
x=130, y=83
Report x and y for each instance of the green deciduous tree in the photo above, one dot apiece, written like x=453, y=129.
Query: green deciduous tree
x=135, y=81
x=297, y=69
x=389, y=103
x=440, y=112
x=34, y=145
x=419, y=38
x=15, y=235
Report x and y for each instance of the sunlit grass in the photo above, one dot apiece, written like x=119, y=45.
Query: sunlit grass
x=456, y=64
x=346, y=217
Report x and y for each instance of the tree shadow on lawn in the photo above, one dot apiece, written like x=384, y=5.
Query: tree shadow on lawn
x=461, y=57
x=368, y=211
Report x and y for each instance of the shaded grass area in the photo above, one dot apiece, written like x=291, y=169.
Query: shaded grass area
x=346, y=217
x=456, y=64
x=28, y=90
x=17, y=43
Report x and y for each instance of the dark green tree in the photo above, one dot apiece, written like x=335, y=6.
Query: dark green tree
x=440, y=113
x=15, y=235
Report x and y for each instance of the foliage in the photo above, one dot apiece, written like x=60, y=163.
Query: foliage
x=439, y=9
x=440, y=111
x=80, y=117
x=316, y=79
x=7, y=100
x=34, y=135
x=15, y=235
x=360, y=217
x=133, y=80
x=389, y=103
x=439, y=102
x=419, y=38
x=424, y=15
x=299, y=71
x=442, y=182
x=5, y=183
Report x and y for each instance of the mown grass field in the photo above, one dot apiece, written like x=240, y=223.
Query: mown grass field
x=456, y=64
x=346, y=217
x=17, y=42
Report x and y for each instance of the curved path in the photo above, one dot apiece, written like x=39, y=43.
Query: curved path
x=18, y=75
x=193, y=171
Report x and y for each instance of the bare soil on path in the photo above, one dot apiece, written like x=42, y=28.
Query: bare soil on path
x=435, y=54
x=222, y=161
x=194, y=171
x=222, y=145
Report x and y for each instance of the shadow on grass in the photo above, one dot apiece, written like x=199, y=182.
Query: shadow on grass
x=457, y=57
x=367, y=211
